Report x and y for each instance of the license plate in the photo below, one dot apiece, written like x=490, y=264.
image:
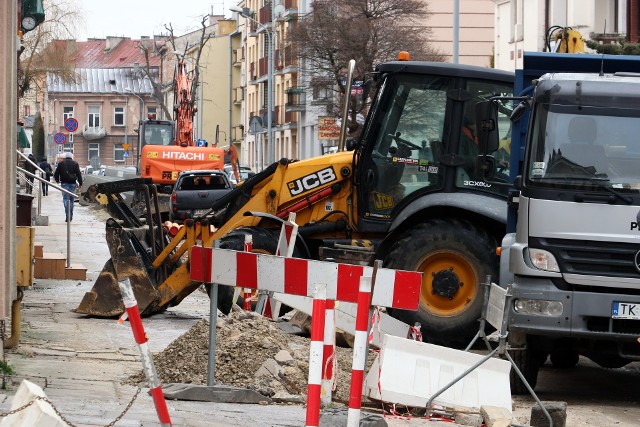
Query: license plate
x=625, y=310
x=200, y=212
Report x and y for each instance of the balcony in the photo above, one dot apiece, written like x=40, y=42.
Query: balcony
x=290, y=117
x=237, y=133
x=296, y=100
x=91, y=133
x=252, y=71
x=264, y=15
x=238, y=95
x=263, y=66
x=238, y=57
x=291, y=10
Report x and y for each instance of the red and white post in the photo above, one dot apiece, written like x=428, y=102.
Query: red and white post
x=248, y=247
x=359, y=352
x=315, y=356
x=146, y=358
x=328, y=357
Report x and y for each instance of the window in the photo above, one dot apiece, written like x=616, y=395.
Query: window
x=67, y=147
x=118, y=153
x=67, y=112
x=94, y=151
x=27, y=110
x=152, y=113
x=93, y=120
x=118, y=116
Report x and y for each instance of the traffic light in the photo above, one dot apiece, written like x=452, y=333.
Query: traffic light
x=31, y=14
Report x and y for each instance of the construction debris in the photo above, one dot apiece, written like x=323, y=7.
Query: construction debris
x=251, y=352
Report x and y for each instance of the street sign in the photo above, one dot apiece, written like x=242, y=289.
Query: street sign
x=60, y=138
x=125, y=155
x=126, y=147
x=71, y=124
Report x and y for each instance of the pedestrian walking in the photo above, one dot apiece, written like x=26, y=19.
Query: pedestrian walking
x=30, y=167
x=69, y=176
x=48, y=171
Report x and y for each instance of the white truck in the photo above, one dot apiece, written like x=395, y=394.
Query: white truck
x=573, y=260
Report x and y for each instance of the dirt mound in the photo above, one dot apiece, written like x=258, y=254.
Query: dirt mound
x=251, y=352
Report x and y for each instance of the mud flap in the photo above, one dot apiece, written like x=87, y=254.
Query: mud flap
x=104, y=299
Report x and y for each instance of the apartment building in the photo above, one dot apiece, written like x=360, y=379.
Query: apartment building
x=297, y=107
x=108, y=97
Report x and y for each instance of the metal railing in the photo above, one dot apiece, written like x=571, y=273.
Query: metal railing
x=57, y=187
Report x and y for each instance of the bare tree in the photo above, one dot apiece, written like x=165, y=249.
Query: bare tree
x=185, y=47
x=369, y=31
x=37, y=57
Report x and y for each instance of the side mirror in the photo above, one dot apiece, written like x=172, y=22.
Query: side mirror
x=520, y=109
x=487, y=126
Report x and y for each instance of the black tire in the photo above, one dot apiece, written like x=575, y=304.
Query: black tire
x=265, y=240
x=564, y=358
x=608, y=361
x=455, y=257
x=529, y=363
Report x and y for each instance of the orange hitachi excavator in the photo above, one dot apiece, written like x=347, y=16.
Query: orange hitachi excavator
x=168, y=147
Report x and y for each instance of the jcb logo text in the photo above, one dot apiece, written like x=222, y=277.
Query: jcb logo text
x=311, y=181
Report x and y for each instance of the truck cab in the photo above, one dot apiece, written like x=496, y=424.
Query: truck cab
x=573, y=257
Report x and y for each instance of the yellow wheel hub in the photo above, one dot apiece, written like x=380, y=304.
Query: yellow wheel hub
x=449, y=284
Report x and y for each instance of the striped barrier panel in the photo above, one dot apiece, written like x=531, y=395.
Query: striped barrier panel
x=294, y=276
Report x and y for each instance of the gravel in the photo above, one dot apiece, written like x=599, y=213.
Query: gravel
x=248, y=348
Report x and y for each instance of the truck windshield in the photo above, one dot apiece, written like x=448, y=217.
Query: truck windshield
x=158, y=133
x=578, y=147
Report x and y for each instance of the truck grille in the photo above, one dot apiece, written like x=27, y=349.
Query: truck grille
x=607, y=324
x=610, y=259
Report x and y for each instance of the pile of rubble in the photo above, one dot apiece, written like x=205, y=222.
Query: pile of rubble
x=251, y=352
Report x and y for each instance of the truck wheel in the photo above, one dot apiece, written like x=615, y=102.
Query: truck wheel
x=529, y=363
x=265, y=241
x=564, y=358
x=455, y=257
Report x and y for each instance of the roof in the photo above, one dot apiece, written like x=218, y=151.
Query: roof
x=101, y=80
x=113, y=52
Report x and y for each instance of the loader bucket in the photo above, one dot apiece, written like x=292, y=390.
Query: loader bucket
x=128, y=259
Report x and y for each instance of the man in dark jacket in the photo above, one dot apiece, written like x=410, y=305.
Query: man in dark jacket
x=29, y=166
x=67, y=174
x=48, y=171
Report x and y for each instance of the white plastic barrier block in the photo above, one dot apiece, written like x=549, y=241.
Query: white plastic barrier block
x=410, y=372
x=346, y=317
x=39, y=414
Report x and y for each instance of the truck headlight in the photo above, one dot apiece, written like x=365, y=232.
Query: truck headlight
x=538, y=307
x=543, y=260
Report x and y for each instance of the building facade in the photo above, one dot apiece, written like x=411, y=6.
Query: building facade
x=521, y=25
x=108, y=97
x=297, y=107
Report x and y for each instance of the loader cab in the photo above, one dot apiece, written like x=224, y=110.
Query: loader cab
x=156, y=132
x=420, y=138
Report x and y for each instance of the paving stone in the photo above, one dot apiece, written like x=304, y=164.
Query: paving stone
x=557, y=411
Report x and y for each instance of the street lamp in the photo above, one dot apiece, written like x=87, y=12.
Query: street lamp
x=141, y=105
x=246, y=13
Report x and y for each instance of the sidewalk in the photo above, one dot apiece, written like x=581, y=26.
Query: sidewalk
x=81, y=361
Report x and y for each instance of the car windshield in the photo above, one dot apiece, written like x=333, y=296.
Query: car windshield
x=578, y=146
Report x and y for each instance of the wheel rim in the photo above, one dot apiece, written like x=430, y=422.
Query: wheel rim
x=449, y=284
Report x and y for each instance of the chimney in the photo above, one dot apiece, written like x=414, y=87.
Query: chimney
x=113, y=41
x=71, y=46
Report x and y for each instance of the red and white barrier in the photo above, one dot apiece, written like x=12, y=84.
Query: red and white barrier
x=316, y=346
x=146, y=358
x=328, y=356
x=294, y=276
x=339, y=282
x=359, y=352
x=248, y=247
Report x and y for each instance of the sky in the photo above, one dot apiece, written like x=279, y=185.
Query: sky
x=135, y=18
